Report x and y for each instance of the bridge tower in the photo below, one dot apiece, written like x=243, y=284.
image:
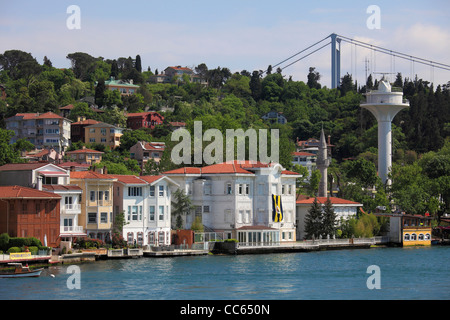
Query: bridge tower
x=335, y=61
x=384, y=104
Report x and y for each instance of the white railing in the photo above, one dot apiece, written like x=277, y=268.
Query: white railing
x=72, y=207
x=74, y=229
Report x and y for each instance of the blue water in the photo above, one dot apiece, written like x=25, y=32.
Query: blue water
x=405, y=273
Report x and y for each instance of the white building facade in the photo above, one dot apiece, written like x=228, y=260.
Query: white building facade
x=146, y=204
x=344, y=209
x=237, y=199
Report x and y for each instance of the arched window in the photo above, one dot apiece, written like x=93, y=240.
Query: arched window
x=406, y=237
x=421, y=237
x=427, y=236
x=413, y=237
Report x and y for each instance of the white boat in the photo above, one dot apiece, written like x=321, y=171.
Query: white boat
x=21, y=271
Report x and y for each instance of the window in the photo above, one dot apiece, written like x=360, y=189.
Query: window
x=206, y=209
x=152, y=191
x=104, y=217
x=130, y=238
x=427, y=236
x=421, y=237
x=100, y=195
x=51, y=180
x=91, y=139
x=135, y=191
x=207, y=189
x=247, y=189
x=92, y=130
x=106, y=195
x=198, y=210
x=161, y=191
x=406, y=237
x=151, y=238
x=92, y=197
x=413, y=237
x=135, y=213
x=240, y=189
x=140, y=238
x=92, y=217
x=229, y=189
x=103, y=131
x=103, y=140
x=52, y=131
x=161, y=213
x=151, y=214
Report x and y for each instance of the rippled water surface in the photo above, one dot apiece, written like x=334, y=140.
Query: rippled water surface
x=405, y=273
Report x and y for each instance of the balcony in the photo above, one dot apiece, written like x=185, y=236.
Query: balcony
x=71, y=208
x=71, y=229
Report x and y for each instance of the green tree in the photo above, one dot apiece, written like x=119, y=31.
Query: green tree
x=181, y=206
x=329, y=219
x=313, y=78
x=314, y=221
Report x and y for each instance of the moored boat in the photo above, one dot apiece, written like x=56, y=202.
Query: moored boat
x=21, y=271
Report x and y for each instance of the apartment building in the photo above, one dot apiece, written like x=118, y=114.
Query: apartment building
x=103, y=133
x=96, y=215
x=251, y=202
x=47, y=130
x=146, y=204
x=143, y=151
x=85, y=155
x=148, y=119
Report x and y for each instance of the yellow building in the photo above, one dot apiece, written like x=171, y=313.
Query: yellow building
x=103, y=133
x=85, y=155
x=410, y=230
x=96, y=202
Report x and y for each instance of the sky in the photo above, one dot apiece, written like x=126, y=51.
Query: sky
x=239, y=35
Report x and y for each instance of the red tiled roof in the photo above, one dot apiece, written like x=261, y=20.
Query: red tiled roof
x=68, y=107
x=153, y=146
x=87, y=122
x=305, y=154
x=150, y=179
x=142, y=114
x=27, y=116
x=185, y=170
x=89, y=175
x=49, y=115
x=128, y=179
x=289, y=172
x=73, y=164
x=57, y=187
x=322, y=200
x=84, y=151
x=7, y=192
x=21, y=166
x=236, y=166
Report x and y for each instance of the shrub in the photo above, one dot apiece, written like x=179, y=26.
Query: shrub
x=4, y=241
x=33, y=249
x=13, y=250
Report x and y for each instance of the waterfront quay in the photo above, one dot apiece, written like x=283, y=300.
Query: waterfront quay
x=198, y=249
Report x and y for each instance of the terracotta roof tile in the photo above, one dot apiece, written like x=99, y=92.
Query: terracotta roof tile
x=89, y=175
x=7, y=192
x=322, y=200
x=84, y=151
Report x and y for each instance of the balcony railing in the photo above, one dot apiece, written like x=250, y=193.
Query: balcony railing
x=73, y=229
x=71, y=207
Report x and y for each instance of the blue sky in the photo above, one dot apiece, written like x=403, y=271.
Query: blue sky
x=245, y=34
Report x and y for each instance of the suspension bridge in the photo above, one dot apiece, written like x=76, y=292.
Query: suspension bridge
x=334, y=40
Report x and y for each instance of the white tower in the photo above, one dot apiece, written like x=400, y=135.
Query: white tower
x=384, y=105
x=322, y=164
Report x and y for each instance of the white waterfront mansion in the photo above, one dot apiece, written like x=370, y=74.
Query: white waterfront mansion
x=236, y=199
x=146, y=203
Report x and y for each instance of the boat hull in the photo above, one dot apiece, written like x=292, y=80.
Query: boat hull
x=34, y=273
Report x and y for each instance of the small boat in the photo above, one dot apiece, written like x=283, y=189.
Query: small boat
x=21, y=271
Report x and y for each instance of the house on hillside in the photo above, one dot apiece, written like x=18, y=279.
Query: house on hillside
x=43, y=130
x=148, y=119
x=177, y=73
x=143, y=151
x=77, y=131
x=85, y=155
x=125, y=87
x=275, y=117
x=103, y=133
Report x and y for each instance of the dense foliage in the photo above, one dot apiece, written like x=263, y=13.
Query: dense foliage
x=239, y=100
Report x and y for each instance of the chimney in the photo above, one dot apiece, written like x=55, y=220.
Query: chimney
x=105, y=170
x=84, y=148
x=39, y=183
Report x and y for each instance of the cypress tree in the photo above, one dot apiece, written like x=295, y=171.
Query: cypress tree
x=329, y=219
x=313, y=221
